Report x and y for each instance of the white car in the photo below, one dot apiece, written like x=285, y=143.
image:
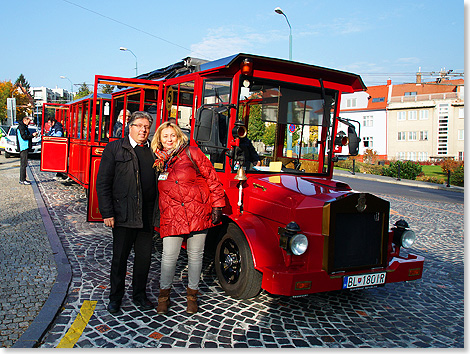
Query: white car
x=3, y=133
x=9, y=141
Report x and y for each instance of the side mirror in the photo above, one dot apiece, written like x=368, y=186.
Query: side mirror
x=203, y=125
x=353, y=141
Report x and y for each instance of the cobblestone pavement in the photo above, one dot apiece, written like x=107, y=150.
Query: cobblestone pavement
x=27, y=266
x=425, y=313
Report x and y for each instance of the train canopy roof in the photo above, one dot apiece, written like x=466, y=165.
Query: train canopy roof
x=190, y=65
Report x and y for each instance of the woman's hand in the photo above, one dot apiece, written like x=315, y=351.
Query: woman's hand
x=216, y=215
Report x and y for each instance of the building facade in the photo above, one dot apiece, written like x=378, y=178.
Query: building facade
x=43, y=94
x=418, y=121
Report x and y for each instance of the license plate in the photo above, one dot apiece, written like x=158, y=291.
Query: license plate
x=363, y=280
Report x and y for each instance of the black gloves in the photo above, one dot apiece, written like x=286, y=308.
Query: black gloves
x=216, y=215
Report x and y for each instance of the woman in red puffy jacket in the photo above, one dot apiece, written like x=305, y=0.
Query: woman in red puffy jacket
x=191, y=198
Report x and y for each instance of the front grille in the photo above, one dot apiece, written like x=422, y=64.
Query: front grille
x=356, y=233
x=358, y=240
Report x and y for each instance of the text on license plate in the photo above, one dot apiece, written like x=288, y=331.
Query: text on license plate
x=363, y=280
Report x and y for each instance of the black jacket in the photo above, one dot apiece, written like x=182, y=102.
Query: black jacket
x=25, y=135
x=118, y=185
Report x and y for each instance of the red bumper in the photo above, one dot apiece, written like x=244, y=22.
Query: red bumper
x=295, y=281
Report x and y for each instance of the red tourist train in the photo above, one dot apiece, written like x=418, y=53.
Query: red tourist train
x=288, y=228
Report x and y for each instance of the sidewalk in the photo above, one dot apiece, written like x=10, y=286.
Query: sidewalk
x=34, y=268
x=393, y=180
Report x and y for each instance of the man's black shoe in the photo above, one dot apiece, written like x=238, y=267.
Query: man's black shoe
x=144, y=304
x=114, y=306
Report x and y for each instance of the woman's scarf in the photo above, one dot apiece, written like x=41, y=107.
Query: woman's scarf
x=167, y=158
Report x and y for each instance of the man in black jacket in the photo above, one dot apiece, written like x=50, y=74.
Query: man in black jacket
x=24, y=142
x=127, y=198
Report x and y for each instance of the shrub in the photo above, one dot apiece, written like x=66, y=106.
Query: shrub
x=431, y=179
x=408, y=169
x=457, y=176
x=450, y=165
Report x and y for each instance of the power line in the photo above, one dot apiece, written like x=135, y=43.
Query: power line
x=134, y=28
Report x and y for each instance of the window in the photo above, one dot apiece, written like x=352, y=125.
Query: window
x=460, y=155
x=414, y=93
x=401, y=155
x=401, y=136
x=461, y=112
x=412, y=115
x=423, y=115
x=411, y=156
x=368, y=121
x=422, y=156
x=402, y=115
x=378, y=99
x=461, y=134
x=368, y=142
x=351, y=102
x=423, y=135
x=412, y=136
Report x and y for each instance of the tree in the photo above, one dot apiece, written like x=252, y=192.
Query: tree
x=23, y=102
x=83, y=91
x=107, y=88
x=256, y=126
x=270, y=135
x=21, y=80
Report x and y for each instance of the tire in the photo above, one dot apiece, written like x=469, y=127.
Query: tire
x=234, y=265
x=7, y=155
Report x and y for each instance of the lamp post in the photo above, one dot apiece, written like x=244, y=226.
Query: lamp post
x=126, y=49
x=280, y=12
x=71, y=84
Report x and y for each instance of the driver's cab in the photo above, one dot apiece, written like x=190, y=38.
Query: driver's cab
x=280, y=127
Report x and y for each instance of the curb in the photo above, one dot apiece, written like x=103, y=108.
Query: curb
x=37, y=329
x=391, y=180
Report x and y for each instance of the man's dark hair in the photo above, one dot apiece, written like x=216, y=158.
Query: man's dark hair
x=140, y=114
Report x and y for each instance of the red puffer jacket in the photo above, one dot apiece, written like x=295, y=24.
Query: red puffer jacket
x=186, y=198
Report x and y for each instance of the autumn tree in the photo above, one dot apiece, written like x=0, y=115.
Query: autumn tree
x=23, y=104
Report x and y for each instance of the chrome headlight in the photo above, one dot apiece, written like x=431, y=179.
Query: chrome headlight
x=403, y=236
x=298, y=244
x=408, y=238
x=292, y=240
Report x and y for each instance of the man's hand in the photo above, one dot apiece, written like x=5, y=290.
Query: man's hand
x=109, y=222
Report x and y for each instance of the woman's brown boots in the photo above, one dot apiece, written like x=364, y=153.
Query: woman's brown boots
x=192, y=300
x=163, y=301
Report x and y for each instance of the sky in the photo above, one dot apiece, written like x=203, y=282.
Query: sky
x=377, y=39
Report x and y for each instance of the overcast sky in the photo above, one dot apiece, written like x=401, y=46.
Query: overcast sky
x=377, y=39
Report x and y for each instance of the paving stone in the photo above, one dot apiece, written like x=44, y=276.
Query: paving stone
x=428, y=313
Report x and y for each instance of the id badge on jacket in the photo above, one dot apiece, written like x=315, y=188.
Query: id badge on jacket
x=163, y=176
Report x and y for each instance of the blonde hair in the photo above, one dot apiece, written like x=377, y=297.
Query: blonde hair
x=157, y=139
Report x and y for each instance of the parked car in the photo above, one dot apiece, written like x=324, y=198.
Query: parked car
x=3, y=134
x=9, y=141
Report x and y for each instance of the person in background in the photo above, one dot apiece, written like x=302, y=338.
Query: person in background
x=191, y=198
x=56, y=128
x=117, y=129
x=24, y=142
x=249, y=151
x=127, y=198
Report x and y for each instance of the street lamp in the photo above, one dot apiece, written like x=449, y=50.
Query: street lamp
x=280, y=12
x=125, y=49
x=71, y=84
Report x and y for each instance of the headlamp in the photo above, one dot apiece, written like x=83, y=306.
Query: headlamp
x=292, y=240
x=403, y=236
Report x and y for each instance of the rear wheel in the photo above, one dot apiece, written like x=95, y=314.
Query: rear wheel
x=234, y=265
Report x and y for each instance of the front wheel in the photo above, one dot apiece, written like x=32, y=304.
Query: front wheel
x=234, y=265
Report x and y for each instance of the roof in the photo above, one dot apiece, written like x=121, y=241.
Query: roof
x=190, y=65
x=90, y=96
x=427, y=87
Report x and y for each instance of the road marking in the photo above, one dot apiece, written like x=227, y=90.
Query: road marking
x=76, y=330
